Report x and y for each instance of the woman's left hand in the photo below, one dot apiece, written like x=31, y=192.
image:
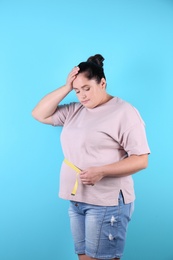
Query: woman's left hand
x=91, y=175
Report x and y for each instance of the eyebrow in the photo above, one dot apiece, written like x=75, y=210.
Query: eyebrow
x=82, y=86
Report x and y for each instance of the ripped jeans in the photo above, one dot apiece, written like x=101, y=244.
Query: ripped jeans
x=100, y=231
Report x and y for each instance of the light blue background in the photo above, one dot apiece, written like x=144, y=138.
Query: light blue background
x=40, y=41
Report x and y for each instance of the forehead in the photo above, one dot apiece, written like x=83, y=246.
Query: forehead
x=81, y=80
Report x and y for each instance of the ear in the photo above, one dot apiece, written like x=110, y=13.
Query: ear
x=103, y=83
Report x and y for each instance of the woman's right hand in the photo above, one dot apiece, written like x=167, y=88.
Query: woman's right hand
x=47, y=106
x=71, y=77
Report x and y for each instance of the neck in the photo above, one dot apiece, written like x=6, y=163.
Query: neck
x=106, y=98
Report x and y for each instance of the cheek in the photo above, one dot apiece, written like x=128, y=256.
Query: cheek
x=96, y=94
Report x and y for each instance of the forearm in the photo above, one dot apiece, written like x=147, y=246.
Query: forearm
x=46, y=107
x=48, y=104
x=125, y=167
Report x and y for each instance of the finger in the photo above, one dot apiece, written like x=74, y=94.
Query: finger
x=73, y=73
x=88, y=183
x=82, y=173
x=75, y=70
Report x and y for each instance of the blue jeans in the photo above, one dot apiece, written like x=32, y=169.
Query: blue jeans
x=100, y=231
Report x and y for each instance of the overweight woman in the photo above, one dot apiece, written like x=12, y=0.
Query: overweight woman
x=104, y=142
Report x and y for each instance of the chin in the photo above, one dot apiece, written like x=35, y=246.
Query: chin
x=90, y=106
x=87, y=106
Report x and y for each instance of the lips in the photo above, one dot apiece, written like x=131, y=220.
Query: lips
x=84, y=101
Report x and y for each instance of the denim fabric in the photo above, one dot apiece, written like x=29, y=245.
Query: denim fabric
x=100, y=231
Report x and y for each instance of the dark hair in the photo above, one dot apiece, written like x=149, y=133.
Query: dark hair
x=93, y=68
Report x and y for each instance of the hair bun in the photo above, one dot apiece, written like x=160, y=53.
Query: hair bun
x=97, y=59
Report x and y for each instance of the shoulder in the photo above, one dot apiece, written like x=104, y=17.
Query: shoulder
x=65, y=112
x=72, y=109
x=128, y=111
x=73, y=106
x=123, y=103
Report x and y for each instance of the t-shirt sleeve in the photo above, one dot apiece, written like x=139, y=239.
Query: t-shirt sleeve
x=60, y=115
x=133, y=139
x=63, y=112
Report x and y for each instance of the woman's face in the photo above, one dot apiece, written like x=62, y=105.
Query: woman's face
x=89, y=92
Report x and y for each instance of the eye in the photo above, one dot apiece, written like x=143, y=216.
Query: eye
x=77, y=91
x=87, y=88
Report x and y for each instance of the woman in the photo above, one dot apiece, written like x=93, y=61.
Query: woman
x=104, y=143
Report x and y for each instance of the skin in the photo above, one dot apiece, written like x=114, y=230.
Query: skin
x=46, y=107
x=91, y=94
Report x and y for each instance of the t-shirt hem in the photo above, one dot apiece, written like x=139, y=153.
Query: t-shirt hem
x=98, y=203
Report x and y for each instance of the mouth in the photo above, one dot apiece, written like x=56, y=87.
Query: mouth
x=84, y=101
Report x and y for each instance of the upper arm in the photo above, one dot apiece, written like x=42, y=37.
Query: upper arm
x=142, y=160
x=48, y=120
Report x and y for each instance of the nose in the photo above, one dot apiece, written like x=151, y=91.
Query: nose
x=83, y=95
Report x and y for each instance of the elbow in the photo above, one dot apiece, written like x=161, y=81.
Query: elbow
x=39, y=117
x=141, y=162
x=144, y=162
x=33, y=113
x=145, y=165
x=36, y=116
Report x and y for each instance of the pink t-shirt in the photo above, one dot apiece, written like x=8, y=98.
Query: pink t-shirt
x=95, y=137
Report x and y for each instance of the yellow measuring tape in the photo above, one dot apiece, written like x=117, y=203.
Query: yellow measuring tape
x=77, y=170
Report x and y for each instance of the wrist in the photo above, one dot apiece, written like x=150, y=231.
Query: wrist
x=68, y=87
x=102, y=172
